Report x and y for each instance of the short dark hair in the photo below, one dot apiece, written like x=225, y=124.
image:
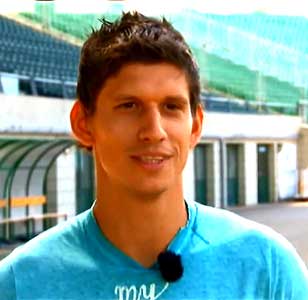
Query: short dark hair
x=130, y=39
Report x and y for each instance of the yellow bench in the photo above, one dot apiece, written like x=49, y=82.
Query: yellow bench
x=31, y=219
x=24, y=201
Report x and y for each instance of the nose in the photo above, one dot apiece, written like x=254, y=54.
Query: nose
x=152, y=126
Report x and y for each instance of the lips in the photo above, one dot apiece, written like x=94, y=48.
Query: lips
x=151, y=159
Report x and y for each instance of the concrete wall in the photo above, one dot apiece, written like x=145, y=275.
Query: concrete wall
x=249, y=130
x=189, y=178
x=66, y=186
x=287, y=173
x=26, y=114
x=302, y=161
x=249, y=192
x=273, y=172
x=282, y=171
x=242, y=126
x=217, y=176
x=213, y=180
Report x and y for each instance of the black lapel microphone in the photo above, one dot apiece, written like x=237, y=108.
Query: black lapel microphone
x=170, y=266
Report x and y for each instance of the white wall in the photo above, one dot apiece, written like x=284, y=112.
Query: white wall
x=304, y=183
x=66, y=183
x=287, y=170
x=51, y=115
x=240, y=126
x=34, y=114
x=189, y=179
x=251, y=173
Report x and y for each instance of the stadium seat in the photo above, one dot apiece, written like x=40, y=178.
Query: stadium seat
x=45, y=59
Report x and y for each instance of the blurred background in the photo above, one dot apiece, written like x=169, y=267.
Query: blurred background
x=253, y=60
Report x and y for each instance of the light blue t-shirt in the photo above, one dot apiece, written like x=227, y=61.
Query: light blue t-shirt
x=225, y=257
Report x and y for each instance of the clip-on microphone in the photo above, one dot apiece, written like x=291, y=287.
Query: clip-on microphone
x=170, y=266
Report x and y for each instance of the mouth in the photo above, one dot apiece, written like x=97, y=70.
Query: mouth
x=151, y=161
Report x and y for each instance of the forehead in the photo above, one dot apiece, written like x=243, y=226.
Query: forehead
x=147, y=79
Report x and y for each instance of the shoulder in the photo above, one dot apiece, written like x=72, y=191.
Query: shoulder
x=220, y=226
x=41, y=255
x=246, y=239
x=7, y=281
x=49, y=244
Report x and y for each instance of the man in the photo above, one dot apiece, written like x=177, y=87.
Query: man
x=138, y=111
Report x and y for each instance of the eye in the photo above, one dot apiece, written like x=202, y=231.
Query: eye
x=127, y=105
x=172, y=106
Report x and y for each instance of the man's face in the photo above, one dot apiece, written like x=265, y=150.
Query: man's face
x=142, y=129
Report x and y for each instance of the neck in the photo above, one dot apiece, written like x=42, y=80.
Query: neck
x=141, y=227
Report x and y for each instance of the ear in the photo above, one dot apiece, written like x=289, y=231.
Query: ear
x=79, y=124
x=197, y=124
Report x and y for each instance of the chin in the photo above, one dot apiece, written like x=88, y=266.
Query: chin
x=151, y=192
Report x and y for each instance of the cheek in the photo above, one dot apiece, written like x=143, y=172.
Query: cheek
x=106, y=145
x=182, y=132
x=182, y=140
x=122, y=129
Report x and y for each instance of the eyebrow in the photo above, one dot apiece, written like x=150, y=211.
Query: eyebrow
x=177, y=98
x=122, y=97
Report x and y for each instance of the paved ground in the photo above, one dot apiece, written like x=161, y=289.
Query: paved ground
x=290, y=219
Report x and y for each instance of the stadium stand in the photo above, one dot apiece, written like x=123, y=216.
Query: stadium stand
x=264, y=68
x=45, y=65
x=76, y=25
x=247, y=63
